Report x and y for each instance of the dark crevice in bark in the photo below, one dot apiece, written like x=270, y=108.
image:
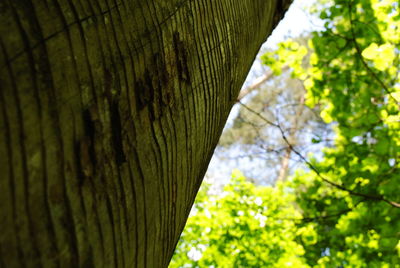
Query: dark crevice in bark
x=116, y=133
x=144, y=91
x=80, y=172
x=136, y=217
x=181, y=58
x=90, y=132
x=111, y=218
x=143, y=247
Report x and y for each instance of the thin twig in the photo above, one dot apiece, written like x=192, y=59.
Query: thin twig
x=313, y=168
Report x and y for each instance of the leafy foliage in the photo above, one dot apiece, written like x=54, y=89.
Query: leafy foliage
x=353, y=191
x=246, y=226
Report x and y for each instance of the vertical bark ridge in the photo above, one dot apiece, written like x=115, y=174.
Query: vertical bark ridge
x=76, y=211
x=74, y=214
x=116, y=142
x=35, y=251
x=14, y=243
x=92, y=200
x=40, y=75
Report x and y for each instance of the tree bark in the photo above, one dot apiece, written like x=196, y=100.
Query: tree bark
x=109, y=113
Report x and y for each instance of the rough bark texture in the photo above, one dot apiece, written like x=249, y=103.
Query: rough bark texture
x=109, y=113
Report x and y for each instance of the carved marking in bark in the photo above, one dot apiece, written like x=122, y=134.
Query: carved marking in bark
x=111, y=87
x=181, y=59
x=153, y=90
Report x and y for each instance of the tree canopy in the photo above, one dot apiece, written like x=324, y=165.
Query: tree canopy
x=246, y=226
x=343, y=210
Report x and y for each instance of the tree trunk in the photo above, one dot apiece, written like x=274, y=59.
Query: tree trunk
x=109, y=113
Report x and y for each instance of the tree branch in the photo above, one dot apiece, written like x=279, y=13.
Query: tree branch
x=313, y=168
x=257, y=83
x=359, y=55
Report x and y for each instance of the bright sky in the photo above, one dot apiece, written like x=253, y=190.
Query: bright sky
x=295, y=22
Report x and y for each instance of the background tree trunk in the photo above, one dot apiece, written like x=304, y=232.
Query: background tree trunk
x=292, y=139
x=109, y=113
